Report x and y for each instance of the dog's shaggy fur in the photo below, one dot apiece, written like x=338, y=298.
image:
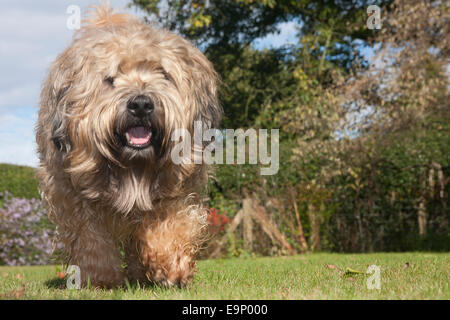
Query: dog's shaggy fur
x=103, y=192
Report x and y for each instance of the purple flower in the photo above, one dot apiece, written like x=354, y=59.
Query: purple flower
x=26, y=235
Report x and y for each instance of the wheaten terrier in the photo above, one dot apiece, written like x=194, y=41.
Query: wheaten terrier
x=108, y=107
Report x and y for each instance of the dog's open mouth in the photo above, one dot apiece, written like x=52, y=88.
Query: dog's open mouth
x=138, y=137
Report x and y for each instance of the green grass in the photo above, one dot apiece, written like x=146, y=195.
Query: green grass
x=20, y=181
x=403, y=276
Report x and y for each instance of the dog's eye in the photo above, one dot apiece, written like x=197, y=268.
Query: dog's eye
x=166, y=76
x=110, y=81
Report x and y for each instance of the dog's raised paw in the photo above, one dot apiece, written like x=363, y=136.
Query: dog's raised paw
x=177, y=273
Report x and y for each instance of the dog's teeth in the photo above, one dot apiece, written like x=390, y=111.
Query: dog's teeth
x=127, y=136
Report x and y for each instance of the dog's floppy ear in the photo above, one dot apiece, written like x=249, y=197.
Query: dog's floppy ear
x=54, y=102
x=206, y=82
x=59, y=133
x=203, y=82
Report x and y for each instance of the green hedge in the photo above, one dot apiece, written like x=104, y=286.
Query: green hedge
x=20, y=181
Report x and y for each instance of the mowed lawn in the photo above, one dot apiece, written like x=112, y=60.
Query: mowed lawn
x=311, y=276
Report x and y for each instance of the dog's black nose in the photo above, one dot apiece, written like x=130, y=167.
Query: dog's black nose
x=140, y=106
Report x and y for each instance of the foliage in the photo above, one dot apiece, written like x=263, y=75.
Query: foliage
x=20, y=181
x=218, y=23
x=398, y=145
x=226, y=30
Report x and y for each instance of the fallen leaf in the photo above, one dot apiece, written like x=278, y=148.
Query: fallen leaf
x=332, y=266
x=406, y=265
x=350, y=272
x=17, y=293
x=20, y=292
x=19, y=276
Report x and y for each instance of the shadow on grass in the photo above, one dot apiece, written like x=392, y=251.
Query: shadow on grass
x=58, y=283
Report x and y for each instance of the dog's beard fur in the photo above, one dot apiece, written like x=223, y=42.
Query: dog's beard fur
x=84, y=112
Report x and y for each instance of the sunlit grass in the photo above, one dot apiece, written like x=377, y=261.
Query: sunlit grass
x=403, y=276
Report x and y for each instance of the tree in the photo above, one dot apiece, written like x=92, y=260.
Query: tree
x=226, y=30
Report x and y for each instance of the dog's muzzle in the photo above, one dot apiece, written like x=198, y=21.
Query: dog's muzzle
x=138, y=135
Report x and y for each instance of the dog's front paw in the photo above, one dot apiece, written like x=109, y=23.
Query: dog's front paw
x=170, y=271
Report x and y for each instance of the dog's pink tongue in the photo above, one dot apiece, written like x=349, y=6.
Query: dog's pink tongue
x=139, y=135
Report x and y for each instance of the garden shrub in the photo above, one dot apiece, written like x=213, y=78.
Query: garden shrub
x=20, y=181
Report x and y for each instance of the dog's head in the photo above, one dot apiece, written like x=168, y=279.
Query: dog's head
x=122, y=87
x=116, y=95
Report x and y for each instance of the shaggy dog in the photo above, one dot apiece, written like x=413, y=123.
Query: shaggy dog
x=108, y=108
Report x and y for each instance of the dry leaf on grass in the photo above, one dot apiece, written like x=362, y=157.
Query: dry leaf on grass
x=332, y=266
x=15, y=293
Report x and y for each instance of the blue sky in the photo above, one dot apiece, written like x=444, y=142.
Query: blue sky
x=32, y=34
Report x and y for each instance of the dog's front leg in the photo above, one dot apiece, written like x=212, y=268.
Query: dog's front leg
x=93, y=250
x=168, y=246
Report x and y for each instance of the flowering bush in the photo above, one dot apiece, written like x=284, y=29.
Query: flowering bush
x=26, y=234
x=217, y=221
